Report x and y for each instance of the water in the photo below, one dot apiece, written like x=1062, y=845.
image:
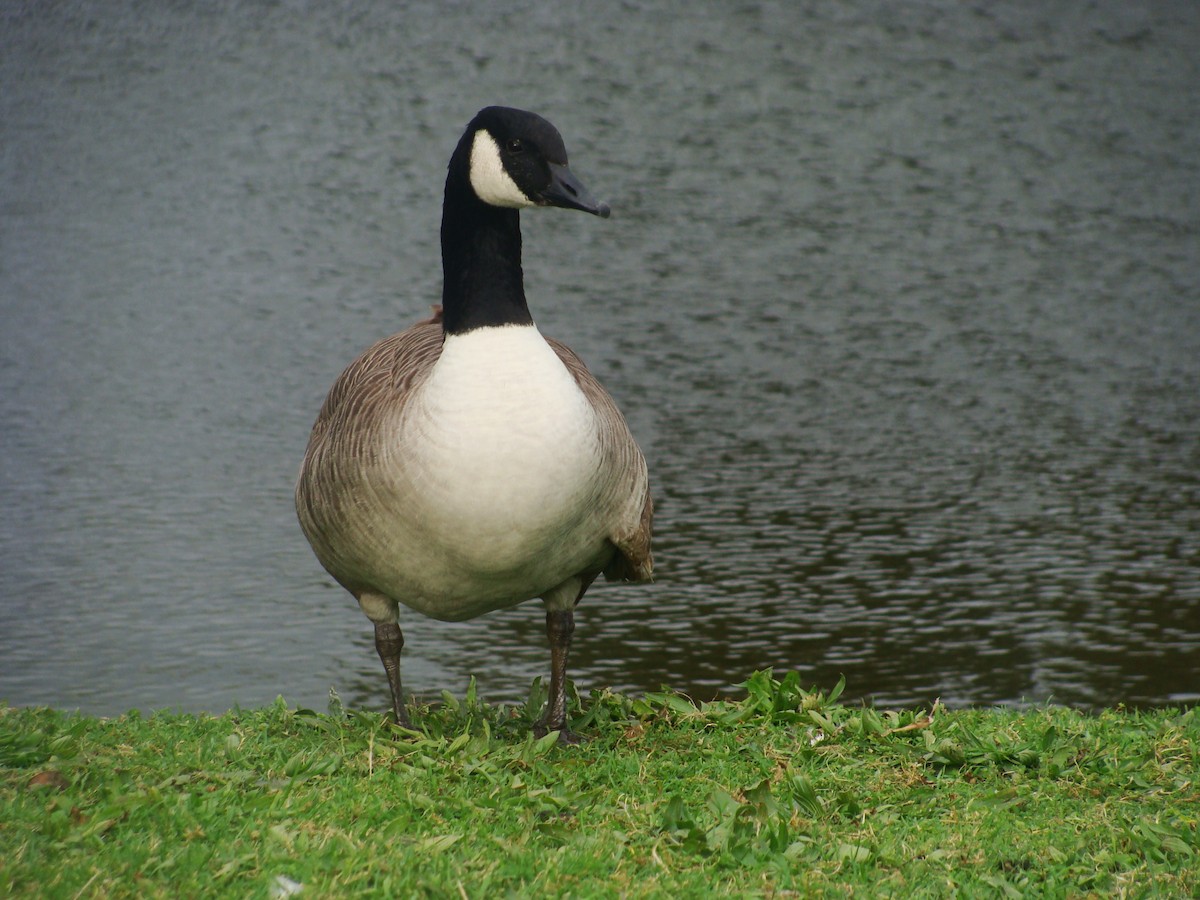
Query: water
x=902, y=301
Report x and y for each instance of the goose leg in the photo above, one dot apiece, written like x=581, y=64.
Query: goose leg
x=560, y=625
x=389, y=641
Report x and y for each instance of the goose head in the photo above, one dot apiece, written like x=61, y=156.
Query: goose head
x=515, y=159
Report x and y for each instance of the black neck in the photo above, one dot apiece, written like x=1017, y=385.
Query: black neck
x=481, y=262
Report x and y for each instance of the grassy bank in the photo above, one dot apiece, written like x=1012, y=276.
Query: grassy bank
x=786, y=792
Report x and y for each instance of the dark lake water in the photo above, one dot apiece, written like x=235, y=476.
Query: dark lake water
x=901, y=300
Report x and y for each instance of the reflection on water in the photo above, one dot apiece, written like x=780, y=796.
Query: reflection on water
x=903, y=304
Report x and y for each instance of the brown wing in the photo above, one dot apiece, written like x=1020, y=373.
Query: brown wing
x=343, y=445
x=630, y=480
x=387, y=368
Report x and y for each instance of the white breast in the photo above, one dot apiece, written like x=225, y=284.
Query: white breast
x=503, y=456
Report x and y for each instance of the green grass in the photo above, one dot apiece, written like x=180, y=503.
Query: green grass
x=787, y=792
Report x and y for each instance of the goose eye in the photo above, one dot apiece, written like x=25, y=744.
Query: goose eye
x=514, y=145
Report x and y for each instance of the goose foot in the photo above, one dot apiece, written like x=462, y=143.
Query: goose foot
x=566, y=736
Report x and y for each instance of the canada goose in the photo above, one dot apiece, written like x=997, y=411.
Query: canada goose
x=469, y=464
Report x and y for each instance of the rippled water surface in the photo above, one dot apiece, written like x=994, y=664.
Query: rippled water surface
x=902, y=301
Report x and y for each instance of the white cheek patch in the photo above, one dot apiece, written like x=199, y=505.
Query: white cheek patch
x=491, y=183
